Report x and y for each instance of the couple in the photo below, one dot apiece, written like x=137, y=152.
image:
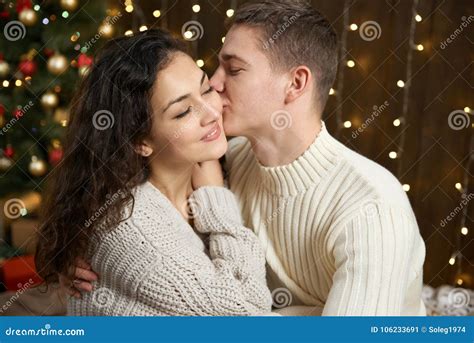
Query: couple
x=303, y=214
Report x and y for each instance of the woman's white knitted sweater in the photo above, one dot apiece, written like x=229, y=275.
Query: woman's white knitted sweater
x=154, y=263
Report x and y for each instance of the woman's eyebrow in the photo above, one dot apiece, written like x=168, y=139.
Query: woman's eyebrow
x=185, y=96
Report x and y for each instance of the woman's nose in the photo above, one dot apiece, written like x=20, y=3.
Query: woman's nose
x=209, y=114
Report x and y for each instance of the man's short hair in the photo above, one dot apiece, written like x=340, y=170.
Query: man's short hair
x=294, y=33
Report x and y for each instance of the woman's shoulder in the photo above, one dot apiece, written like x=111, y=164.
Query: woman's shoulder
x=149, y=217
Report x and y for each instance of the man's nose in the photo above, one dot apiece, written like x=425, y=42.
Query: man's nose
x=217, y=80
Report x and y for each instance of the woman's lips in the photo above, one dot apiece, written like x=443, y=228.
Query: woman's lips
x=213, y=134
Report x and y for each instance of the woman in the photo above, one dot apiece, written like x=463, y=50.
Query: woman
x=144, y=124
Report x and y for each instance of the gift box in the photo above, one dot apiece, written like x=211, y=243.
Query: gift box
x=19, y=273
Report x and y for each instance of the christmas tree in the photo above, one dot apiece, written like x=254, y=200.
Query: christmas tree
x=45, y=49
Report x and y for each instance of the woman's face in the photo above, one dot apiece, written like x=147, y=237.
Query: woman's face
x=187, y=116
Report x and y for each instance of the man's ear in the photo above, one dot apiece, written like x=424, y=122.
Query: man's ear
x=144, y=149
x=300, y=82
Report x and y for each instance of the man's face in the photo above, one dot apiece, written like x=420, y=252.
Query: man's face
x=250, y=90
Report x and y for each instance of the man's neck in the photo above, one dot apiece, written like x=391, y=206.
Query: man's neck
x=281, y=147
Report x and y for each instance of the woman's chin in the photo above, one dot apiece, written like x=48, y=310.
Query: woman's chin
x=214, y=150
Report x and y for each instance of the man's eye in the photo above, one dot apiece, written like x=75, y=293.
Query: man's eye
x=234, y=71
x=181, y=115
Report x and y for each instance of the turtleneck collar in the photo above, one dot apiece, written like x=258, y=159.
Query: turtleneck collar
x=307, y=170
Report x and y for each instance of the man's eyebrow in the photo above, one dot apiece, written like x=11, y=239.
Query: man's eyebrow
x=227, y=57
x=185, y=96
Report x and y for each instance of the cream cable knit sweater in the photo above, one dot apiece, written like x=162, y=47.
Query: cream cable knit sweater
x=338, y=230
x=155, y=264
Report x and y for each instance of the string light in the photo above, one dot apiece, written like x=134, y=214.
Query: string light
x=229, y=12
x=18, y=83
x=143, y=28
x=196, y=8
x=406, y=187
x=332, y=91
x=129, y=9
x=157, y=13
x=129, y=33
x=223, y=40
x=400, y=83
x=351, y=64
x=452, y=260
x=353, y=27
x=393, y=155
x=200, y=63
x=347, y=124
x=420, y=47
x=397, y=122
x=467, y=109
x=418, y=18
x=6, y=83
x=464, y=231
x=458, y=186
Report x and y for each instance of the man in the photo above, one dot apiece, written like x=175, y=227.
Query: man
x=339, y=232
x=338, y=229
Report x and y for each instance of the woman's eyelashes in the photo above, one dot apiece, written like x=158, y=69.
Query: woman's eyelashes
x=182, y=115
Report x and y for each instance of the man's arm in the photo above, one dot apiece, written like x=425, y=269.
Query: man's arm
x=372, y=255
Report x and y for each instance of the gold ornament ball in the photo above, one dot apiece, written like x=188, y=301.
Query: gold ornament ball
x=57, y=64
x=61, y=116
x=5, y=163
x=4, y=68
x=49, y=100
x=69, y=5
x=84, y=70
x=28, y=17
x=37, y=166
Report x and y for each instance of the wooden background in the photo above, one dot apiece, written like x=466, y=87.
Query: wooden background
x=435, y=157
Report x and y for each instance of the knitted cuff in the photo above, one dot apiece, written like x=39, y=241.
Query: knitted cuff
x=215, y=209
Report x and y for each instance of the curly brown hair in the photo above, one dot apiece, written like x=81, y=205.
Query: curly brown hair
x=110, y=115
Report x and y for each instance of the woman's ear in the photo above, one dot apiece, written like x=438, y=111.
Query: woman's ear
x=144, y=149
x=300, y=82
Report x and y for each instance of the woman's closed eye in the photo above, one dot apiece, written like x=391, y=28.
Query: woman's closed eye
x=182, y=115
